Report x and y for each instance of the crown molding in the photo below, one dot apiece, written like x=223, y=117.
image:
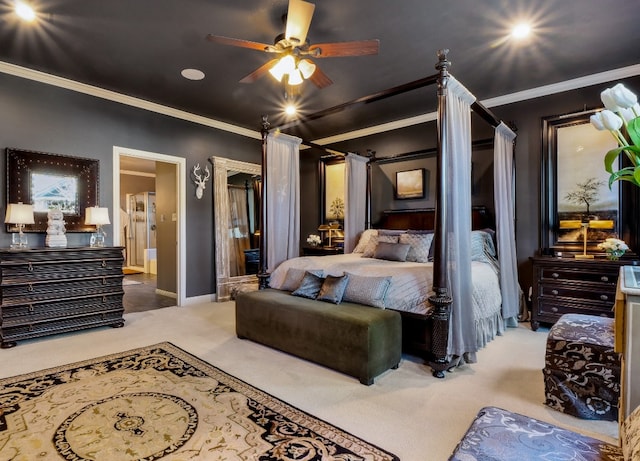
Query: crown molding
x=541, y=91
x=109, y=95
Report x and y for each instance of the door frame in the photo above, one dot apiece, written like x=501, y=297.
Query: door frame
x=181, y=168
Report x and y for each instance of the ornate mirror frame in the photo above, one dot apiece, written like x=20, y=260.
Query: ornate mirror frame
x=24, y=165
x=221, y=213
x=572, y=167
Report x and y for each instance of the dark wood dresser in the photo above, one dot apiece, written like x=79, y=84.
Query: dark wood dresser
x=568, y=285
x=321, y=251
x=46, y=291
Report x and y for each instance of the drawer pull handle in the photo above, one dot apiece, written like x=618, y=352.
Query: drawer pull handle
x=104, y=263
x=604, y=278
x=554, y=309
x=555, y=275
x=104, y=280
x=30, y=267
x=604, y=297
x=554, y=292
x=30, y=287
x=104, y=298
x=30, y=307
x=30, y=327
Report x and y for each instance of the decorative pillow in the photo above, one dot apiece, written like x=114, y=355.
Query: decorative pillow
x=630, y=436
x=332, y=289
x=370, y=291
x=420, y=246
x=294, y=277
x=373, y=243
x=482, y=248
x=309, y=287
x=392, y=251
x=364, y=240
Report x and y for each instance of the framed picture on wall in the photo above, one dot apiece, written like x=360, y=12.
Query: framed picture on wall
x=410, y=184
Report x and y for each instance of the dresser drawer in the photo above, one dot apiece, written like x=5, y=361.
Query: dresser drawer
x=557, y=306
x=35, y=312
x=604, y=294
x=54, y=270
x=570, y=275
x=45, y=290
x=66, y=324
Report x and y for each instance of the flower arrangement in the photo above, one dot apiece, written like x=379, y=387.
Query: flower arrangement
x=613, y=247
x=314, y=240
x=621, y=109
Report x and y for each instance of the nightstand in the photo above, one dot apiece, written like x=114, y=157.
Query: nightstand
x=568, y=285
x=321, y=251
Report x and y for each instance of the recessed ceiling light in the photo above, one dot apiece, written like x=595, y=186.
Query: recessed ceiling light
x=290, y=109
x=25, y=11
x=521, y=31
x=192, y=74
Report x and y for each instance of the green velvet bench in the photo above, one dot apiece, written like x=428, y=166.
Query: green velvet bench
x=357, y=340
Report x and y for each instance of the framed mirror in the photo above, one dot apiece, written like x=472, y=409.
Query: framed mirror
x=575, y=195
x=52, y=181
x=236, y=203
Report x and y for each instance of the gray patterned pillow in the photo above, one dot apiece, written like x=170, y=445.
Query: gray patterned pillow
x=332, y=289
x=370, y=291
x=294, y=277
x=392, y=251
x=370, y=249
x=364, y=240
x=309, y=287
x=631, y=435
x=420, y=245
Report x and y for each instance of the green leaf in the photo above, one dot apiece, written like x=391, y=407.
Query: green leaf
x=611, y=157
x=636, y=176
x=633, y=128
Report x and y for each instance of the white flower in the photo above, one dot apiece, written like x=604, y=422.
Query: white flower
x=607, y=99
x=596, y=121
x=622, y=97
x=610, y=120
x=613, y=244
x=314, y=239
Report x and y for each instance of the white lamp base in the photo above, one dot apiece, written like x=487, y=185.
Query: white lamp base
x=19, y=240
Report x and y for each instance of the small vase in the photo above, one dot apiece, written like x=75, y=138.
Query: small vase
x=614, y=255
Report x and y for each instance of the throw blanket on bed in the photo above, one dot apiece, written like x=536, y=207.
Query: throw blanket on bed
x=411, y=285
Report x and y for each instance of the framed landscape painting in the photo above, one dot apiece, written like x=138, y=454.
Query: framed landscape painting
x=410, y=184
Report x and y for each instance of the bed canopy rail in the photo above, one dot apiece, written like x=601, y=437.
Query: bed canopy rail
x=442, y=298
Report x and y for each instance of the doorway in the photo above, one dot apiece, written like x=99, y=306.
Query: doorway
x=169, y=226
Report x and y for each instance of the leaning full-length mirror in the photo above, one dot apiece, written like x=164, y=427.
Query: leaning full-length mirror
x=236, y=198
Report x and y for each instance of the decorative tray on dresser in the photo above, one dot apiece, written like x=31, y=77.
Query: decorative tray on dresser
x=569, y=285
x=45, y=291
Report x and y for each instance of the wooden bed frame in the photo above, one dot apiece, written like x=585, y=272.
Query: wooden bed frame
x=428, y=335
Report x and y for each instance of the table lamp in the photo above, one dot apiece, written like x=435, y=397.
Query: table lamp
x=97, y=216
x=19, y=214
x=591, y=224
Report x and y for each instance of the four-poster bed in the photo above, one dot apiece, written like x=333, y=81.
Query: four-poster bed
x=446, y=331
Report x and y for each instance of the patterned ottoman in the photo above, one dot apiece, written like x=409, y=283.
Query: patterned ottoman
x=582, y=372
x=500, y=435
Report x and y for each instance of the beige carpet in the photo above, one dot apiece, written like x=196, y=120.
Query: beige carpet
x=406, y=412
x=159, y=402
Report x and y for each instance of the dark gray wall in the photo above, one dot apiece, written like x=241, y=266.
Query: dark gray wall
x=41, y=117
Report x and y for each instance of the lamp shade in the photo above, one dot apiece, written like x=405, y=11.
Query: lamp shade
x=96, y=216
x=19, y=213
x=601, y=224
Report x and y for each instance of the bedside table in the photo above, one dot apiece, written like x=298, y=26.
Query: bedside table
x=321, y=251
x=568, y=285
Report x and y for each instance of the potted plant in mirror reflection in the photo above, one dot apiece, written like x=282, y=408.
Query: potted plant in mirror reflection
x=615, y=248
x=337, y=208
x=621, y=110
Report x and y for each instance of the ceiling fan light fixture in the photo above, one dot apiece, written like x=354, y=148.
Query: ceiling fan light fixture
x=25, y=11
x=306, y=68
x=285, y=66
x=299, y=17
x=295, y=77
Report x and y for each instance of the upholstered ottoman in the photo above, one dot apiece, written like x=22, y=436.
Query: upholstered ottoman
x=497, y=434
x=361, y=341
x=582, y=371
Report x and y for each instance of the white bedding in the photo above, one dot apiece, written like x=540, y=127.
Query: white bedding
x=411, y=282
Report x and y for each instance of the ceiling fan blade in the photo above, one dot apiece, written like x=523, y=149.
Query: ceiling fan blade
x=356, y=48
x=320, y=79
x=238, y=42
x=259, y=72
x=299, y=19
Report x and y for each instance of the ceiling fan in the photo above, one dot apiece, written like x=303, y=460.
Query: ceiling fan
x=294, y=64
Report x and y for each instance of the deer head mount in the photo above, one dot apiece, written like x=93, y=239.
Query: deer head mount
x=200, y=179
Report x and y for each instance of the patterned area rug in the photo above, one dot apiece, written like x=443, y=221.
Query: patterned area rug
x=159, y=402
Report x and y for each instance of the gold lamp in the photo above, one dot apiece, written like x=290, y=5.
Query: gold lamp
x=19, y=214
x=591, y=224
x=97, y=216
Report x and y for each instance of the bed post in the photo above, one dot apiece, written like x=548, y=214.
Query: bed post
x=263, y=271
x=441, y=299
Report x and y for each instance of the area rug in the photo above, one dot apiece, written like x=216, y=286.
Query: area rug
x=160, y=402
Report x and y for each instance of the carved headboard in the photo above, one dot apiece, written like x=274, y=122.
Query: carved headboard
x=423, y=219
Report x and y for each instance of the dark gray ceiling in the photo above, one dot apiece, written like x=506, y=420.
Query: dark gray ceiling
x=139, y=47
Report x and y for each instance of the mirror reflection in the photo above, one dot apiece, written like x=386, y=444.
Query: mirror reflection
x=236, y=197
